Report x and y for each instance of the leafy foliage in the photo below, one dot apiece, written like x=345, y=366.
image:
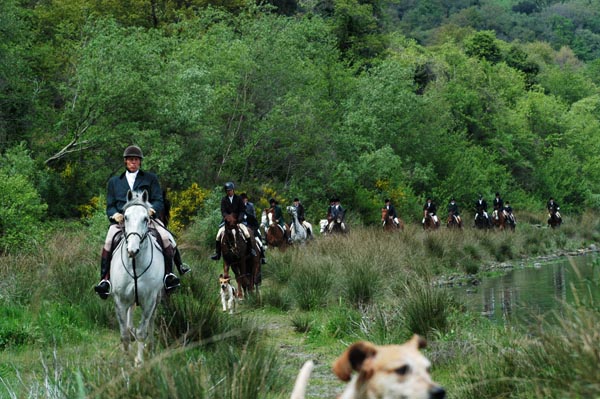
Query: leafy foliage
x=22, y=208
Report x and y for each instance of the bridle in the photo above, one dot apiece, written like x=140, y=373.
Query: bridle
x=133, y=274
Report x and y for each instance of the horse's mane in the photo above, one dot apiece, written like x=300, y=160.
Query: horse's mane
x=136, y=199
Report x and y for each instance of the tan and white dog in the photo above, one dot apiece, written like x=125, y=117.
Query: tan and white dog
x=228, y=294
x=382, y=372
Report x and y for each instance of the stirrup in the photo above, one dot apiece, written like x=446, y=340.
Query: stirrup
x=215, y=256
x=103, y=289
x=173, y=281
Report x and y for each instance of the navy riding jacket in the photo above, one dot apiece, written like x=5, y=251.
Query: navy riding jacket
x=118, y=187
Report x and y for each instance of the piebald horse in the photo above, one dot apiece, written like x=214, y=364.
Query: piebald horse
x=136, y=273
x=274, y=232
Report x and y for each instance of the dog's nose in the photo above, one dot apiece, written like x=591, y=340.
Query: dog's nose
x=437, y=393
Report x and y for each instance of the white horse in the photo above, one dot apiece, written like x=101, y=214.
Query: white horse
x=137, y=269
x=297, y=230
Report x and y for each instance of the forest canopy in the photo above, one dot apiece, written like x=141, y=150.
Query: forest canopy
x=363, y=100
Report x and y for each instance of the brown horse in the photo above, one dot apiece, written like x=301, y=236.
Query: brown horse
x=429, y=223
x=499, y=220
x=453, y=221
x=388, y=221
x=275, y=234
x=236, y=255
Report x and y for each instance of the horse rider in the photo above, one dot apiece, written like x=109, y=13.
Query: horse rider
x=336, y=211
x=498, y=205
x=509, y=212
x=301, y=217
x=278, y=215
x=232, y=204
x=133, y=178
x=553, y=208
x=324, y=223
x=391, y=211
x=430, y=209
x=454, y=211
x=330, y=208
x=481, y=206
x=251, y=221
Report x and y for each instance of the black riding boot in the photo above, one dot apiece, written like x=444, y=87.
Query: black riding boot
x=217, y=254
x=263, y=258
x=182, y=268
x=250, y=245
x=171, y=281
x=103, y=288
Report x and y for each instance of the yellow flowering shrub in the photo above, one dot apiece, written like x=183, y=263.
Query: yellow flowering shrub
x=185, y=205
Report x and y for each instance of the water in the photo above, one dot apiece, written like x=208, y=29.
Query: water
x=522, y=294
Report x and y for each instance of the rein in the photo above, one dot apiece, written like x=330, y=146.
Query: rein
x=134, y=275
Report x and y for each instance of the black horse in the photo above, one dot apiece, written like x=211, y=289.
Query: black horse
x=481, y=222
x=554, y=220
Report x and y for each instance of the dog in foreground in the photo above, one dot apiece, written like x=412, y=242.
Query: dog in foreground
x=228, y=294
x=382, y=372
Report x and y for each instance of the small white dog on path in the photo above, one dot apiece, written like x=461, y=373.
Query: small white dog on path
x=228, y=294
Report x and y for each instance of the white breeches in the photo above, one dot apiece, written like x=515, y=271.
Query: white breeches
x=242, y=227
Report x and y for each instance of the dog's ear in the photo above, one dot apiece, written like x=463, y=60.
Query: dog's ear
x=353, y=359
x=221, y=275
x=418, y=341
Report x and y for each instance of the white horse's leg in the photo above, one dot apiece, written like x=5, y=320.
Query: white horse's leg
x=144, y=329
x=122, y=317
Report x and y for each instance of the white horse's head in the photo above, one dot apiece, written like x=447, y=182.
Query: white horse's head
x=292, y=210
x=136, y=217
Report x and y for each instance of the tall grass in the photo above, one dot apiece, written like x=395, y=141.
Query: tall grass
x=60, y=340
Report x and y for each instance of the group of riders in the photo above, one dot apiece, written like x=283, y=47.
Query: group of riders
x=501, y=209
x=134, y=179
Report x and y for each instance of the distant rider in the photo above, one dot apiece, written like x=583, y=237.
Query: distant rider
x=454, y=211
x=251, y=221
x=481, y=206
x=553, y=208
x=391, y=211
x=301, y=217
x=232, y=204
x=430, y=209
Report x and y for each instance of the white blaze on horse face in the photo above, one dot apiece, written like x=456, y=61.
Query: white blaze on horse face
x=270, y=216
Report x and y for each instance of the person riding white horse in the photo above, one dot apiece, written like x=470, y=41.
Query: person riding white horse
x=137, y=271
x=302, y=217
x=133, y=178
x=232, y=204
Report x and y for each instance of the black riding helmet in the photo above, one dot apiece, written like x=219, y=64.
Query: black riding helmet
x=133, y=151
x=228, y=186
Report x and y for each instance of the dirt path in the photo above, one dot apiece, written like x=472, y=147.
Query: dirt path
x=292, y=345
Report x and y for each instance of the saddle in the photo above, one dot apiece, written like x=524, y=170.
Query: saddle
x=121, y=235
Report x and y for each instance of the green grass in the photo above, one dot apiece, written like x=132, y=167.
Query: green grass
x=57, y=339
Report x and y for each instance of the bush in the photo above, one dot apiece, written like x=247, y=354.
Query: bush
x=20, y=214
x=310, y=288
x=426, y=309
